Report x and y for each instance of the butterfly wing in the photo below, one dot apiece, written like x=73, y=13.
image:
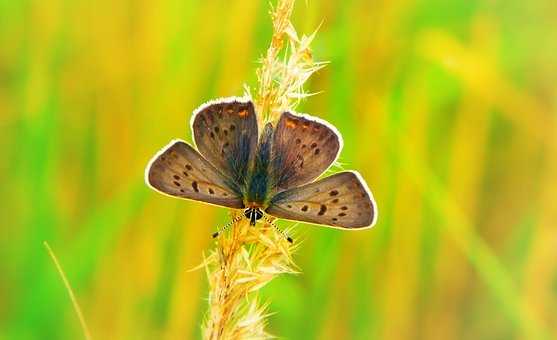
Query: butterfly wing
x=342, y=200
x=225, y=133
x=178, y=170
x=303, y=148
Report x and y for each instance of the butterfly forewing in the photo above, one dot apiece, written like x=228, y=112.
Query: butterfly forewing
x=341, y=200
x=178, y=170
x=225, y=133
x=303, y=148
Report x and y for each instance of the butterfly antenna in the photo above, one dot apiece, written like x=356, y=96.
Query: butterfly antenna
x=221, y=230
x=284, y=233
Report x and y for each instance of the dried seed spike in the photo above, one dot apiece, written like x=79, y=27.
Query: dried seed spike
x=247, y=258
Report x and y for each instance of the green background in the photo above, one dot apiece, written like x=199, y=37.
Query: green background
x=447, y=108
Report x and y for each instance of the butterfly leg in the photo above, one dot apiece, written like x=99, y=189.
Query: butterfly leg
x=234, y=220
x=284, y=233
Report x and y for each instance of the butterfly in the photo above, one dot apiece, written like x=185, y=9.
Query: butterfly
x=271, y=172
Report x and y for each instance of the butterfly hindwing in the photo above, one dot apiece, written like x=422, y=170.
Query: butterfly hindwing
x=225, y=133
x=179, y=170
x=341, y=200
x=303, y=148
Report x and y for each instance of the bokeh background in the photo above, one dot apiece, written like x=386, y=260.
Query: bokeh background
x=447, y=108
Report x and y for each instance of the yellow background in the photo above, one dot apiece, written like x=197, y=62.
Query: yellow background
x=447, y=108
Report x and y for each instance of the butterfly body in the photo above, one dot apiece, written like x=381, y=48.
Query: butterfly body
x=257, y=193
x=270, y=172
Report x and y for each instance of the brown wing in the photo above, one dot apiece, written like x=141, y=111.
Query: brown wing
x=303, y=148
x=341, y=200
x=225, y=133
x=178, y=170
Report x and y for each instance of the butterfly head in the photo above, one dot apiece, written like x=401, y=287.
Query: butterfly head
x=253, y=214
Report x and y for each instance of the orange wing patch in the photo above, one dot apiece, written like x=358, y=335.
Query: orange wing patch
x=291, y=123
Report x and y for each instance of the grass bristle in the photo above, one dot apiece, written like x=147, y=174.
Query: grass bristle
x=286, y=66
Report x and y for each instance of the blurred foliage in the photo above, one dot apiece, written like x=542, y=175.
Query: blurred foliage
x=447, y=108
